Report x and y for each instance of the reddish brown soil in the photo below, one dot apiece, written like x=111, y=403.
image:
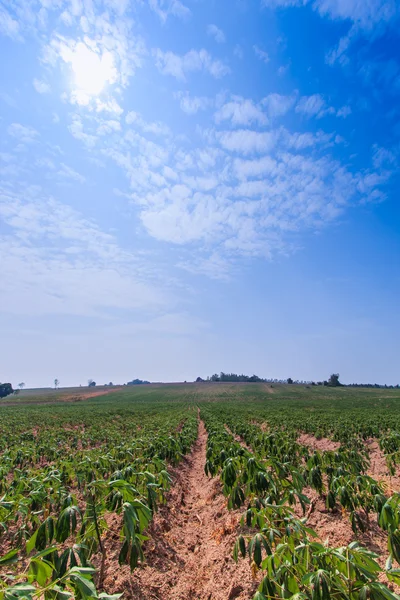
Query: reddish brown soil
x=77, y=397
x=86, y=395
x=238, y=439
x=268, y=388
x=378, y=468
x=334, y=529
x=189, y=555
x=322, y=445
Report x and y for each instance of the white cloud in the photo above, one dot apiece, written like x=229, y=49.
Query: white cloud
x=155, y=127
x=314, y=106
x=283, y=69
x=108, y=126
x=240, y=111
x=277, y=105
x=382, y=157
x=244, y=168
x=68, y=173
x=178, y=66
x=165, y=8
x=110, y=105
x=216, y=33
x=339, y=52
x=261, y=54
x=344, y=112
x=364, y=14
x=247, y=141
x=9, y=26
x=23, y=133
x=301, y=141
x=245, y=192
x=77, y=130
x=41, y=86
x=238, y=191
x=365, y=17
x=192, y=104
x=56, y=258
x=45, y=163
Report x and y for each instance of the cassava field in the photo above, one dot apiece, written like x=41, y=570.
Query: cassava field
x=200, y=491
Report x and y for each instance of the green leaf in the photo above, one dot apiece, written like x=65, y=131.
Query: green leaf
x=83, y=585
x=39, y=571
x=393, y=575
x=123, y=553
x=30, y=544
x=378, y=591
x=20, y=590
x=56, y=593
x=9, y=558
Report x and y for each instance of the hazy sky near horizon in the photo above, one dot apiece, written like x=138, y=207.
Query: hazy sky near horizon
x=189, y=186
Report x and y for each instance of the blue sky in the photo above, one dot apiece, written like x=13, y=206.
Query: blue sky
x=188, y=186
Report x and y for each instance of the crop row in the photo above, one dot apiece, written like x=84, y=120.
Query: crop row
x=61, y=482
x=270, y=480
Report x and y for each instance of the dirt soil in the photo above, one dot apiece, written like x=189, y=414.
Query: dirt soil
x=268, y=388
x=85, y=395
x=189, y=555
x=322, y=445
x=238, y=439
x=77, y=397
x=378, y=468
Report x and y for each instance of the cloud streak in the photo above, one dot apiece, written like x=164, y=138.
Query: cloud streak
x=179, y=66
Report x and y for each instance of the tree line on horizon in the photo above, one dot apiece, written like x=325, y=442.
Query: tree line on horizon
x=333, y=381
x=6, y=389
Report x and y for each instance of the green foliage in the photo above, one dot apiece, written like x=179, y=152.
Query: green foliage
x=66, y=467
x=5, y=389
x=117, y=460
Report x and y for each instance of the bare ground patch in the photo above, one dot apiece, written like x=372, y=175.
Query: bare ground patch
x=268, y=388
x=189, y=556
x=333, y=528
x=322, y=444
x=238, y=439
x=86, y=395
x=378, y=468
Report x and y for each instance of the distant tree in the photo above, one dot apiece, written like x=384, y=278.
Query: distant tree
x=5, y=389
x=91, y=383
x=334, y=380
x=199, y=380
x=56, y=383
x=21, y=385
x=289, y=380
x=137, y=382
x=233, y=377
x=111, y=383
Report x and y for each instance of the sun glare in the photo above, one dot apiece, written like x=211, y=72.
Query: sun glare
x=91, y=70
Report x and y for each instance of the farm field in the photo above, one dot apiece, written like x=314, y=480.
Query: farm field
x=200, y=491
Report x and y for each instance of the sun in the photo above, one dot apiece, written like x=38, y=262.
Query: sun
x=92, y=71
